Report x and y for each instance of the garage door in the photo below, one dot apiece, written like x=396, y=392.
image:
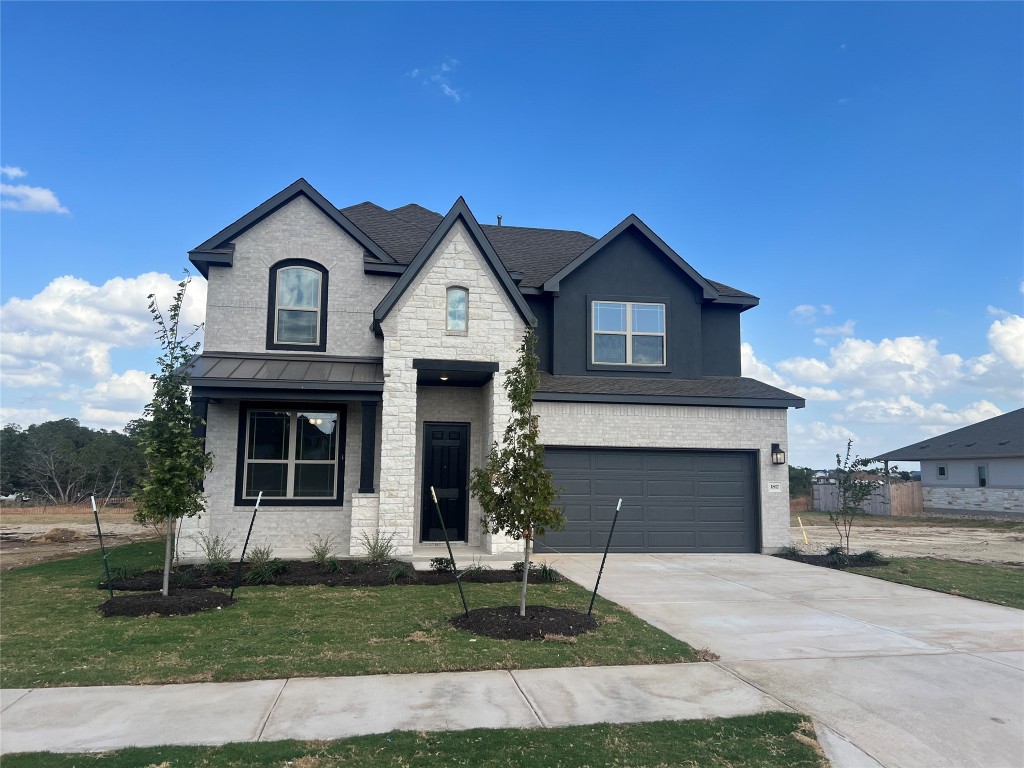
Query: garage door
x=672, y=501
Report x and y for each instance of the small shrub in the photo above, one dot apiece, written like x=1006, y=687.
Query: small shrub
x=517, y=567
x=358, y=566
x=868, y=557
x=546, y=573
x=477, y=566
x=442, y=564
x=183, y=579
x=217, y=552
x=123, y=572
x=835, y=557
x=263, y=566
x=322, y=549
x=379, y=546
x=401, y=571
x=789, y=553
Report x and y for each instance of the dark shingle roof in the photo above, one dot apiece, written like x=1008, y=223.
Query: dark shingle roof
x=707, y=390
x=998, y=437
x=537, y=253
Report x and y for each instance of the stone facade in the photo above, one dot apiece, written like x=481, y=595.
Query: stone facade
x=682, y=426
x=982, y=499
x=415, y=328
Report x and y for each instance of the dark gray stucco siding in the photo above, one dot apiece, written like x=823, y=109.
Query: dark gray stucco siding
x=541, y=306
x=628, y=267
x=720, y=328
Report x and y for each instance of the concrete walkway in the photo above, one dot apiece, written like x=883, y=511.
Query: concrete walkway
x=99, y=718
x=893, y=675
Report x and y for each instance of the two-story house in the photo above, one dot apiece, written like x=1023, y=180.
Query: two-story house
x=355, y=357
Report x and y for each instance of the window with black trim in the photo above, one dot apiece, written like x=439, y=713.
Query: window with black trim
x=982, y=475
x=292, y=454
x=627, y=333
x=941, y=471
x=297, y=306
x=457, y=310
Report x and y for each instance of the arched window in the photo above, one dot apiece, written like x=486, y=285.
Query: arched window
x=297, y=306
x=457, y=305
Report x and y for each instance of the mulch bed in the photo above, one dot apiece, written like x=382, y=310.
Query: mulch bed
x=350, y=573
x=540, y=623
x=177, y=603
x=825, y=561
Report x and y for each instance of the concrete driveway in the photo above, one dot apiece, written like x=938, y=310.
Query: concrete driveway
x=897, y=676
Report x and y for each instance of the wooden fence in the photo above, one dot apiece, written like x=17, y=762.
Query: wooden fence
x=895, y=499
x=38, y=507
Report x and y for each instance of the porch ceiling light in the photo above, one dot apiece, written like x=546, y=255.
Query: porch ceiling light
x=444, y=377
x=778, y=455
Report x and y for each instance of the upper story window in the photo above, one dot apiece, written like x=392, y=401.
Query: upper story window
x=628, y=333
x=457, y=307
x=297, y=306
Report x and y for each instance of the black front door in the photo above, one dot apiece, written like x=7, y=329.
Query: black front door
x=445, y=468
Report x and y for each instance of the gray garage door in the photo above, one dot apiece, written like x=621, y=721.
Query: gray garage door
x=672, y=501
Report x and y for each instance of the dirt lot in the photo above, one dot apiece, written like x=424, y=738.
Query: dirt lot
x=30, y=536
x=907, y=539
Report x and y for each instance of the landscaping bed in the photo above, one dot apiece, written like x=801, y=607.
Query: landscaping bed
x=346, y=573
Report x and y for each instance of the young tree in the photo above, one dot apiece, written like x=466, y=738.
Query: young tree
x=513, y=487
x=852, y=492
x=176, y=461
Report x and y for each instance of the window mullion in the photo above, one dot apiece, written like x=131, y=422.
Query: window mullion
x=292, y=439
x=629, y=333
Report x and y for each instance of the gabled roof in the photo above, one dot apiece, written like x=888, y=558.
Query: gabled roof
x=219, y=249
x=710, y=292
x=459, y=212
x=998, y=437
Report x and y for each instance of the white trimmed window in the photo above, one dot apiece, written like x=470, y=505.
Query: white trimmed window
x=297, y=316
x=292, y=454
x=628, y=333
x=457, y=310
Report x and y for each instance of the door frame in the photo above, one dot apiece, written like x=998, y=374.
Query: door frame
x=425, y=500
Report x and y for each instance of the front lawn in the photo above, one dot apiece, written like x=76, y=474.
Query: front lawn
x=52, y=634
x=771, y=740
x=1000, y=584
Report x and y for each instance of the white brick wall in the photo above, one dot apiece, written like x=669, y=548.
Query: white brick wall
x=288, y=529
x=236, y=302
x=682, y=426
x=415, y=328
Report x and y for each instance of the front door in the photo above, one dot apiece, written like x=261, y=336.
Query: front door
x=445, y=466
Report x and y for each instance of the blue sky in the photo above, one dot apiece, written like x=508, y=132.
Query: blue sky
x=857, y=166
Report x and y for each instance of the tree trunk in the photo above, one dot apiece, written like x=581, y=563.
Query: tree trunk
x=167, y=556
x=526, y=574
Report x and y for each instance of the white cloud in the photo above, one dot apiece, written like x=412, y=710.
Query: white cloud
x=21, y=197
x=931, y=418
x=755, y=369
x=820, y=394
x=12, y=172
x=846, y=329
x=1006, y=339
x=67, y=330
x=806, y=314
x=439, y=76
x=130, y=392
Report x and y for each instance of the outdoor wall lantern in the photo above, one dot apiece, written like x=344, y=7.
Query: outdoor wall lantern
x=778, y=455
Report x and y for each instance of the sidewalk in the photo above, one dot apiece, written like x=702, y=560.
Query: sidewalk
x=111, y=717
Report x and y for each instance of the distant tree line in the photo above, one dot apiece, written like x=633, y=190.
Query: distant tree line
x=62, y=462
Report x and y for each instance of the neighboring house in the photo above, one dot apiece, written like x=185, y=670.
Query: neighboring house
x=977, y=467
x=354, y=358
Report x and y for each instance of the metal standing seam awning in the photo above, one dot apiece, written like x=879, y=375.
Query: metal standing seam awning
x=228, y=375
x=217, y=376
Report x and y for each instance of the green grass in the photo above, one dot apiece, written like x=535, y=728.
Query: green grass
x=1000, y=584
x=882, y=521
x=52, y=634
x=771, y=740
